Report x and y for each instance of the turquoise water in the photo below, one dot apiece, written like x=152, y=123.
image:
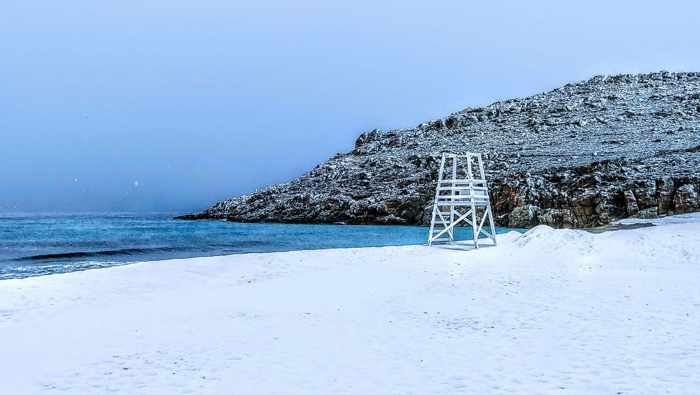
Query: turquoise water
x=33, y=245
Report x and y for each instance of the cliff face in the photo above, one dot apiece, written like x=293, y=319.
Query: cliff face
x=578, y=156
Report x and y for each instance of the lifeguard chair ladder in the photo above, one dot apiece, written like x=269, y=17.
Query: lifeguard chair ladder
x=461, y=197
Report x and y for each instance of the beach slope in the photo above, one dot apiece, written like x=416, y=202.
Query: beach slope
x=551, y=311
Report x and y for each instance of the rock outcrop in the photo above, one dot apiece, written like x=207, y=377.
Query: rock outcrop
x=579, y=156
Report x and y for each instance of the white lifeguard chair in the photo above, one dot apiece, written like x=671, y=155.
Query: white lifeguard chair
x=461, y=197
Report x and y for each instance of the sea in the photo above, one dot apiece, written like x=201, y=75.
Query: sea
x=44, y=244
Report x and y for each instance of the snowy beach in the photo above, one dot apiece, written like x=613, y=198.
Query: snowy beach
x=550, y=311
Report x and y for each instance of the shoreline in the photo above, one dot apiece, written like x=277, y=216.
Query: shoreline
x=544, y=311
x=85, y=242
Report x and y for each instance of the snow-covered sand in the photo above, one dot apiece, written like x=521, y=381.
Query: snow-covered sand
x=553, y=311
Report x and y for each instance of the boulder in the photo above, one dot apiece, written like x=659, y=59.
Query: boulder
x=686, y=199
x=524, y=217
x=649, y=213
x=631, y=203
x=665, y=188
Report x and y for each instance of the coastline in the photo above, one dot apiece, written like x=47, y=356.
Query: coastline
x=542, y=312
x=81, y=242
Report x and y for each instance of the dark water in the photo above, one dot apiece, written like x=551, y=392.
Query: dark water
x=45, y=244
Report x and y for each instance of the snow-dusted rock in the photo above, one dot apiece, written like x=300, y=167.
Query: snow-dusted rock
x=575, y=153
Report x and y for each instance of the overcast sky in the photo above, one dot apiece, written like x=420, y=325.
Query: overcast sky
x=170, y=105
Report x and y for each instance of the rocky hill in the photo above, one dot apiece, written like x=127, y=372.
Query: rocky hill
x=579, y=156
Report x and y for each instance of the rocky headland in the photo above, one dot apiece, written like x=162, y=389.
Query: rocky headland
x=579, y=156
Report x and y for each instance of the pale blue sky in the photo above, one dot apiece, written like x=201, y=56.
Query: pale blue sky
x=171, y=105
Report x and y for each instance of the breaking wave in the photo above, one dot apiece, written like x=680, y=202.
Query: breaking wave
x=92, y=254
